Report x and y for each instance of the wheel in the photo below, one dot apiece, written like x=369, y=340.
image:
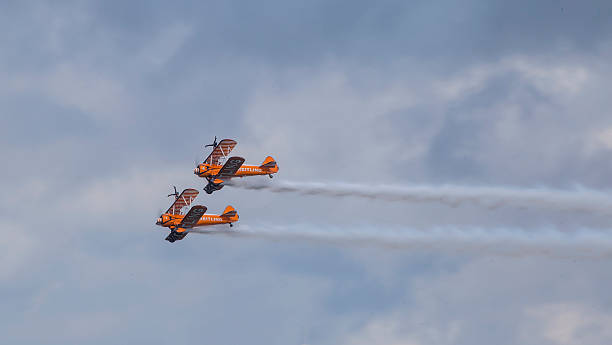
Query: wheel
x=270, y=175
x=231, y=225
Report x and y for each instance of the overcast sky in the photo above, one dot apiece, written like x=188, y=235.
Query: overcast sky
x=105, y=105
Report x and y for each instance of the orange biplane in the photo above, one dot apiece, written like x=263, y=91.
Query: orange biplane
x=180, y=224
x=218, y=168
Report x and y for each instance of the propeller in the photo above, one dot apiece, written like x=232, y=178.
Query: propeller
x=196, y=162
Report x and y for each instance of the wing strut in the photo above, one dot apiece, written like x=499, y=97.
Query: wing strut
x=223, y=149
x=184, y=199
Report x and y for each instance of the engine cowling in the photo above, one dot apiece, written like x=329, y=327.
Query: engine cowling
x=202, y=170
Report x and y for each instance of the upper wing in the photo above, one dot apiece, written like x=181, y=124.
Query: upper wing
x=230, y=167
x=185, y=199
x=223, y=149
x=192, y=217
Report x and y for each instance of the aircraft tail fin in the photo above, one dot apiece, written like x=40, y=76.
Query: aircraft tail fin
x=229, y=212
x=269, y=162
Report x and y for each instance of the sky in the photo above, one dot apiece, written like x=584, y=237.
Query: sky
x=105, y=105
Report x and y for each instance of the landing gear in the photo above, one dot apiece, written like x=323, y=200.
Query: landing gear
x=270, y=175
x=231, y=225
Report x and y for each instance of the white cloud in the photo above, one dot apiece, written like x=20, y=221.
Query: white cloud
x=555, y=77
x=396, y=329
x=325, y=125
x=599, y=139
x=381, y=332
x=328, y=122
x=567, y=324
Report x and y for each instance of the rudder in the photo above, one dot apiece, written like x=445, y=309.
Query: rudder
x=269, y=162
x=229, y=212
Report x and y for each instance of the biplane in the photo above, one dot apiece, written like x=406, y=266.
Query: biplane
x=181, y=223
x=217, y=168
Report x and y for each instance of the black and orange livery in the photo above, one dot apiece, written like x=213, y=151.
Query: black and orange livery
x=216, y=169
x=216, y=173
x=180, y=224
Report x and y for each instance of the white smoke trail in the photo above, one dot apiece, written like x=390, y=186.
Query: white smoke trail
x=577, y=200
x=584, y=243
x=590, y=243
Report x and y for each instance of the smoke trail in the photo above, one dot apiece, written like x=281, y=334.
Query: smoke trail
x=584, y=243
x=578, y=200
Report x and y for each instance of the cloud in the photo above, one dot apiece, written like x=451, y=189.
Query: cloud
x=323, y=123
x=567, y=324
x=600, y=139
x=105, y=105
x=456, y=305
x=382, y=331
x=504, y=121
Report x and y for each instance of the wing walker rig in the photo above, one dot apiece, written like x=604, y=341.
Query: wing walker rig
x=217, y=169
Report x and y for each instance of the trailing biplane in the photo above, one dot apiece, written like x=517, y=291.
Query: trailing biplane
x=217, y=168
x=180, y=224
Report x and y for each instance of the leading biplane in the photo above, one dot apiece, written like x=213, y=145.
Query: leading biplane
x=217, y=168
x=180, y=224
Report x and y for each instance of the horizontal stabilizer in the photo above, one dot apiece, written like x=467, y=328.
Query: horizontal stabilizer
x=269, y=162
